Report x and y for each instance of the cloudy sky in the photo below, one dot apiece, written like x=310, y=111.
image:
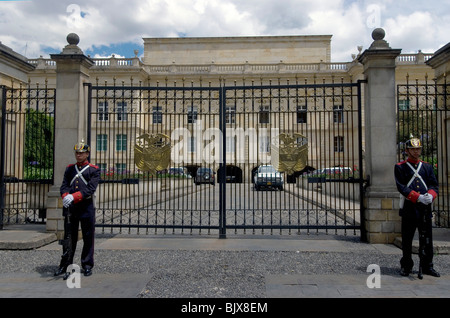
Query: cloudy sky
x=39, y=27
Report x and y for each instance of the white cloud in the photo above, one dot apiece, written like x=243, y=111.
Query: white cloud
x=414, y=31
x=39, y=27
x=101, y=56
x=348, y=28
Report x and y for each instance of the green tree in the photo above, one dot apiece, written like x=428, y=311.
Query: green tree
x=39, y=141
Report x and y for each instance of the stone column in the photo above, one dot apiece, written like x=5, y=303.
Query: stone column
x=72, y=71
x=382, y=222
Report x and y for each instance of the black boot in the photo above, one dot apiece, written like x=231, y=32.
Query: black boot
x=61, y=270
x=404, y=271
x=431, y=271
x=88, y=271
x=66, y=275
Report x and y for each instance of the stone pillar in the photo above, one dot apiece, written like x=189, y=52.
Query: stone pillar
x=440, y=62
x=382, y=222
x=72, y=71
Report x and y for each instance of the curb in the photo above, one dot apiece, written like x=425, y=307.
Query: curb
x=25, y=240
x=439, y=247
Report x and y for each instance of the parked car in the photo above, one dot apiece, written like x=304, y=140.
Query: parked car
x=337, y=170
x=205, y=175
x=268, y=177
x=179, y=171
x=314, y=173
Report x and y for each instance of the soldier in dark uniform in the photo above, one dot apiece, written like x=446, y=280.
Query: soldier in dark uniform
x=416, y=182
x=77, y=191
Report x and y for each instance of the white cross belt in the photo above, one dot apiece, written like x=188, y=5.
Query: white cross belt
x=79, y=175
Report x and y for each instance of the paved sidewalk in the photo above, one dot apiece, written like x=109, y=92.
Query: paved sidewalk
x=207, y=267
x=23, y=237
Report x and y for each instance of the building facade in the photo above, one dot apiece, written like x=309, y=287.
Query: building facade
x=189, y=91
x=223, y=61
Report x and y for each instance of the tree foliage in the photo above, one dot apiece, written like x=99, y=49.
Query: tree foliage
x=39, y=142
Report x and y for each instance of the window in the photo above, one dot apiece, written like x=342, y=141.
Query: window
x=121, y=142
x=264, y=144
x=192, y=114
x=102, y=111
x=338, y=114
x=191, y=144
x=230, y=144
x=339, y=144
x=434, y=104
x=122, y=111
x=102, y=167
x=51, y=108
x=301, y=115
x=120, y=168
x=230, y=114
x=157, y=114
x=102, y=142
x=264, y=115
x=403, y=104
x=301, y=141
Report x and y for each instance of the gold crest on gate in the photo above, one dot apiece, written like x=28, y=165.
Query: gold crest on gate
x=290, y=152
x=152, y=152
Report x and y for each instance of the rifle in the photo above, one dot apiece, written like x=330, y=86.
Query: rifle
x=66, y=242
x=420, y=274
x=422, y=241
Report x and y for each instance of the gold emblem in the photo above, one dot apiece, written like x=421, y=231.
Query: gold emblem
x=152, y=152
x=290, y=153
x=415, y=142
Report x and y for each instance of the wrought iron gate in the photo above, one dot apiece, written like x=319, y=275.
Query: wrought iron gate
x=27, y=152
x=423, y=110
x=185, y=159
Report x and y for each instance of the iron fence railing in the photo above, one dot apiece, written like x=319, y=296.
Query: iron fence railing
x=151, y=141
x=139, y=135
x=423, y=109
x=27, y=145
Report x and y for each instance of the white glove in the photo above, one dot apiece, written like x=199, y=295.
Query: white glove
x=428, y=199
x=420, y=199
x=67, y=201
x=425, y=199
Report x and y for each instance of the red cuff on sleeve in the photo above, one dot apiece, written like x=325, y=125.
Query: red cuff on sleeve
x=77, y=197
x=413, y=196
x=433, y=193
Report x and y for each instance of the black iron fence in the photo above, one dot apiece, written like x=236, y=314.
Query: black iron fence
x=178, y=159
x=27, y=146
x=185, y=157
x=150, y=142
x=423, y=112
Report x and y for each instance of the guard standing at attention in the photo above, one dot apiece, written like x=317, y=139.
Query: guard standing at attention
x=78, y=193
x=418, y=186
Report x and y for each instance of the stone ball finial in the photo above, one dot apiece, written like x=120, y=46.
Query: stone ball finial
x=73, y=39
x=378, y=34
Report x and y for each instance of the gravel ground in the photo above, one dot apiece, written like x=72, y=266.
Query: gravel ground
x=200, y=273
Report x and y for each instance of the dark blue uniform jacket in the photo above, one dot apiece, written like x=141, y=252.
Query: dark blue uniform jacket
x=83, y=194
x=403, y=174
